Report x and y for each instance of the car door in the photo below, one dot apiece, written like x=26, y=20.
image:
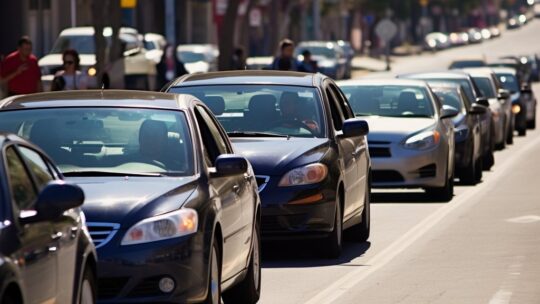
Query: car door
x=230, y=191
x=347, y=151
x=65, y=229
x=37, y=251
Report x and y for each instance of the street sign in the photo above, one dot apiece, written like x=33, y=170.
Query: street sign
x=386, y=30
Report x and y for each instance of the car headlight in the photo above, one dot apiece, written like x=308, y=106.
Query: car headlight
x=423, y=141
x=92, y=72
x=306, y=175
x=516, y=109
x=162, y=227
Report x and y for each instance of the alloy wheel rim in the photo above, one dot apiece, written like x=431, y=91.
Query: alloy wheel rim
x=87, y=296
x=214, y=278
x=256, y=260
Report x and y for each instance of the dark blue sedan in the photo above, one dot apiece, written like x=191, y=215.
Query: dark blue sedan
x=308, y=150
x=174, y=214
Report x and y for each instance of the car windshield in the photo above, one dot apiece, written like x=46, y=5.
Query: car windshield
x=509, y=82
x=113, y=140
x=486, y=87
x=263, y=110
x=190, y=57
x=149, y=45
x=389, y=100
x=323, y=51
x=83, y=44
x=449, y=97
x=467, y=64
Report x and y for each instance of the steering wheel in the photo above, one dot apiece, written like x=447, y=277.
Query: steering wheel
x=291, y=123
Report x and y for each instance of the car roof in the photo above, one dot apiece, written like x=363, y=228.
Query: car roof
x=317, y=43
x=388, y=81
x=98, y=98
x=250, y=77
x=89, y=30
x=480, y=71
x=437, y=75
x=504, y=70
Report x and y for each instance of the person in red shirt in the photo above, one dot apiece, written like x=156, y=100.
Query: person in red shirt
x=20, y=70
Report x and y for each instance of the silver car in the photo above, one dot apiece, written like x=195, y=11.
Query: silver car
x=411, y=140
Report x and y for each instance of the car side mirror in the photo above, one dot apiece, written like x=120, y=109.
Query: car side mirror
x=449, y=112
x=230, y=164
x=355, y=127
x=477, y=109
x=482, y=101
x=503, y=94
x=56, y=198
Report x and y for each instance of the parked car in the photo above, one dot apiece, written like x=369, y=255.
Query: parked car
x=523, y=106
x=411, y=140
x=46, y=254
x=473, y=93
x=308, y=150
x=499, y=103
x=437, y=41
x=259, y=63
x=475, y=35
x=174, y=214
x=154, y=45
x=458, y=38
x=133, y=71
x=331, y=58
x=513, y=23
x=198, y=58
x=466, y=63
x=349, y=54
x=495, y=32
x=533, y=64
x=468, y=137
x=513, y=62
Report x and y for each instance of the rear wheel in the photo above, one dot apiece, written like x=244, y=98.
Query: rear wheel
x=332, y=245
x=214, y=281
x=522, y=131
x=249, y=290
x=88, y=287
x=489, y=158
x=510, y=135
x=532, y=124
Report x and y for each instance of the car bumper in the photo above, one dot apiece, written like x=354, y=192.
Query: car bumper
x=131, y=274
x=410, y=168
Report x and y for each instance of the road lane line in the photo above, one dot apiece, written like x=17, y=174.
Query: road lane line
x=501, y=297
x=351, y=279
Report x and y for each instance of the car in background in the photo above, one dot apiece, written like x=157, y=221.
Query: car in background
x=308, y=150
x=468, y=138
x=474, y=95
x=513, y=62
x=467, y=63
x=154, y=45
x=475, y=35
x=499, y=104
x=458, y=38
x=436, y=41
x=133, y=71
x=259, y=63
x=198, y=58
x=495, y=32
x=349, y=54
x=46, y=254
x=174, y=214
x=330, y=57
x=523, y=106
x=533, y=64
x=411, y=138
x=513, y=23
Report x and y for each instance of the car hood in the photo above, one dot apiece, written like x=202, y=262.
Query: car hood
x=276, y=156
x=56, y=60
x=395, y=129
x=128, y=200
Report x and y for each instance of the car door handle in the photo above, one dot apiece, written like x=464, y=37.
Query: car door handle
x=248, y=177
x=236, y=189
x=57, y=236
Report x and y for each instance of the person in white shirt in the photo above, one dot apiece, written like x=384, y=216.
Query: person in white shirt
x=70, y=78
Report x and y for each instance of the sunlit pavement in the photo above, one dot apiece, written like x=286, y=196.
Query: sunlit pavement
x=482, y=247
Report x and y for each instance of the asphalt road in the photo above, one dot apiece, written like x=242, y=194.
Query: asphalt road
x=482, y=247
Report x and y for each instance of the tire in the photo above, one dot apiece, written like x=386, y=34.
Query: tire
x=522, y=132
x=442, y=194
x=489, y=159
x=88, y=288
x=531, y=125
x=479, y=172
x=249, y=290
x=333, y=244
x=510, y=135
x=214, y=280
x=11, y=298
x=469, y=175
x=360, y=232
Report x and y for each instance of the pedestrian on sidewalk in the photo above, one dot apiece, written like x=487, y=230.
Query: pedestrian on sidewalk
x=308, y=65
x=285, y=61
x=70, y=78
x=238, y=61
x=20, y=70
x=169, y=67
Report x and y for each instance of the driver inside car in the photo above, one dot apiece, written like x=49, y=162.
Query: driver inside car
x=292, y=114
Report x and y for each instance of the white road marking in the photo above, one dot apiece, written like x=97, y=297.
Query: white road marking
x=501, y=297
x=351, y=279
x=527, y=219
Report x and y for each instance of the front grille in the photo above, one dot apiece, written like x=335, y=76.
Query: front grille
x=386, y=176
x=379, y=152
x=111, y=287
x=147, y=288
x=428, y=171
x=262, y=181
x=102, y=233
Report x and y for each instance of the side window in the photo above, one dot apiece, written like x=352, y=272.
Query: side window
x=337, y=117
x=212, y=139
x=37, y=166
x=21, y=186
x=343, y=102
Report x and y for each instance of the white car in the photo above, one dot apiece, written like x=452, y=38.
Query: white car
x=138, y=71
x=154, y=45
x=198, y=58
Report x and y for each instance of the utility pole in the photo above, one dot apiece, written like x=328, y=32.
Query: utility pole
x=73, y=13
x=170, y=21
x=316, y=19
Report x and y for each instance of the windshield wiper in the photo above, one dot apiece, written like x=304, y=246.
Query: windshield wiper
x=255, y=134
x=110, y=173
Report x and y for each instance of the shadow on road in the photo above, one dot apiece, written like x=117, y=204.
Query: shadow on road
x=402, y=197
x=306, y=253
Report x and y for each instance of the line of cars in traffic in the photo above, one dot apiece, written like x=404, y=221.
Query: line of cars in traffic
x=179, y=189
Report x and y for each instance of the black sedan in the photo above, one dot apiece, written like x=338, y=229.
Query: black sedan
x=46, y=254
x=468, y=151
x=174, y=214
x=307, y=149
x=474, y=95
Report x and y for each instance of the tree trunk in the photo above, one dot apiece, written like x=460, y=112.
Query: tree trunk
x=100, y=42
x=226, y=35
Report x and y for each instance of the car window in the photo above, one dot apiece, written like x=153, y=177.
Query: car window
x=21, y=186
x=509, y=82
x=342, y=101
x=214, y=145
x=37, y=166
x=389, y=100
x=464, y=83
x=449, y=97
x=280, y=110
x=335, y=110
x=485, y=86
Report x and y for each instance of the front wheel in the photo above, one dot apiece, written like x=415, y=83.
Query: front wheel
x=88, y=287
x=249, y=290
x=214, y=282
x=332, y=245
x=442, y=194
x=360, y=232
x=532, y=124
